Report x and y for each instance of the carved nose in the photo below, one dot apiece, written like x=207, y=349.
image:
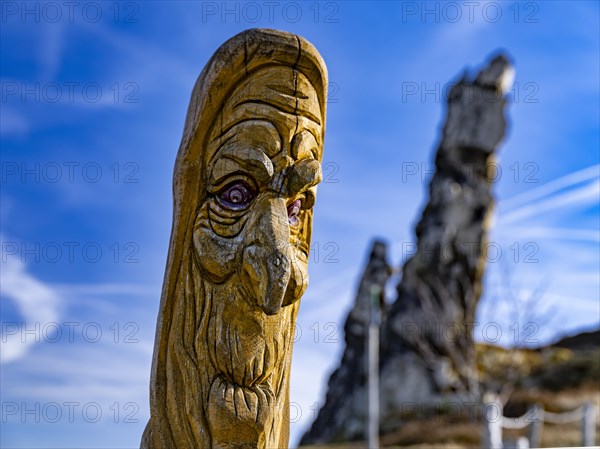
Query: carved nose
x=267, y=265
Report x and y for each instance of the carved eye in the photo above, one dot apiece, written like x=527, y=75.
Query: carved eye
x=293, y=212
x=237, y=195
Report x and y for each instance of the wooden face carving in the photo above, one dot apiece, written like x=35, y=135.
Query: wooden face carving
x=244, y=187
x=251, y=241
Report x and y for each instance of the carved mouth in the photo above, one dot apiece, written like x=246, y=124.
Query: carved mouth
x=239, y=417
x=246, y=403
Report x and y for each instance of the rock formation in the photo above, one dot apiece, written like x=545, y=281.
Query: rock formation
x=427, y=353
x=343, y=404
x=244, y=188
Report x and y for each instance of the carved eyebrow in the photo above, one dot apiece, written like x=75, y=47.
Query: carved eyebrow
x=243, y=119
x=228, y=134
x=252, y=159
x=284, y=108
x=288, y=91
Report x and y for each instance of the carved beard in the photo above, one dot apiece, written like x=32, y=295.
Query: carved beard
x=241, y=367
x=247, y=392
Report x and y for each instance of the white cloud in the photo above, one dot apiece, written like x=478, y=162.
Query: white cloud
x=37, y=302
x=541, y=232
x=552, y=187
x=583, y=195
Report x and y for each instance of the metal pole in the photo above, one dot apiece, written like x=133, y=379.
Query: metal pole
x=373, y=368
x=535, y=427
x=589, y=424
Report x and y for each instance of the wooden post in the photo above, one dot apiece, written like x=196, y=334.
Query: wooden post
x=588, y=429
x=492, y=423
x=373, y=368
x=535, y=427
x=231, y=292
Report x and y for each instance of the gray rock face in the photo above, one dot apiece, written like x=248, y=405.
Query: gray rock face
x=427, y=352
x=346, y=399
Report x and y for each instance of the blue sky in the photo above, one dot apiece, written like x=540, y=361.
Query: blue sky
x=94, y=98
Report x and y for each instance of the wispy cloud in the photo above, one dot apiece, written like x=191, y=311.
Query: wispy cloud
x=570, y=180
x=577, y=189
x=540, y=232
x=40, y=303
x=36, y=301
x=148, y=65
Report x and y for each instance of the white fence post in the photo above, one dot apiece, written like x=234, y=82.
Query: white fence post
x=589, y=425
x=492, y=422
x=535, y=426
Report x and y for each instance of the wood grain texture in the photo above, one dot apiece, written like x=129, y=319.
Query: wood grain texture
x=244, y=186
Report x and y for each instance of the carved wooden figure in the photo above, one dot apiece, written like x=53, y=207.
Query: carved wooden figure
x=244, y=188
